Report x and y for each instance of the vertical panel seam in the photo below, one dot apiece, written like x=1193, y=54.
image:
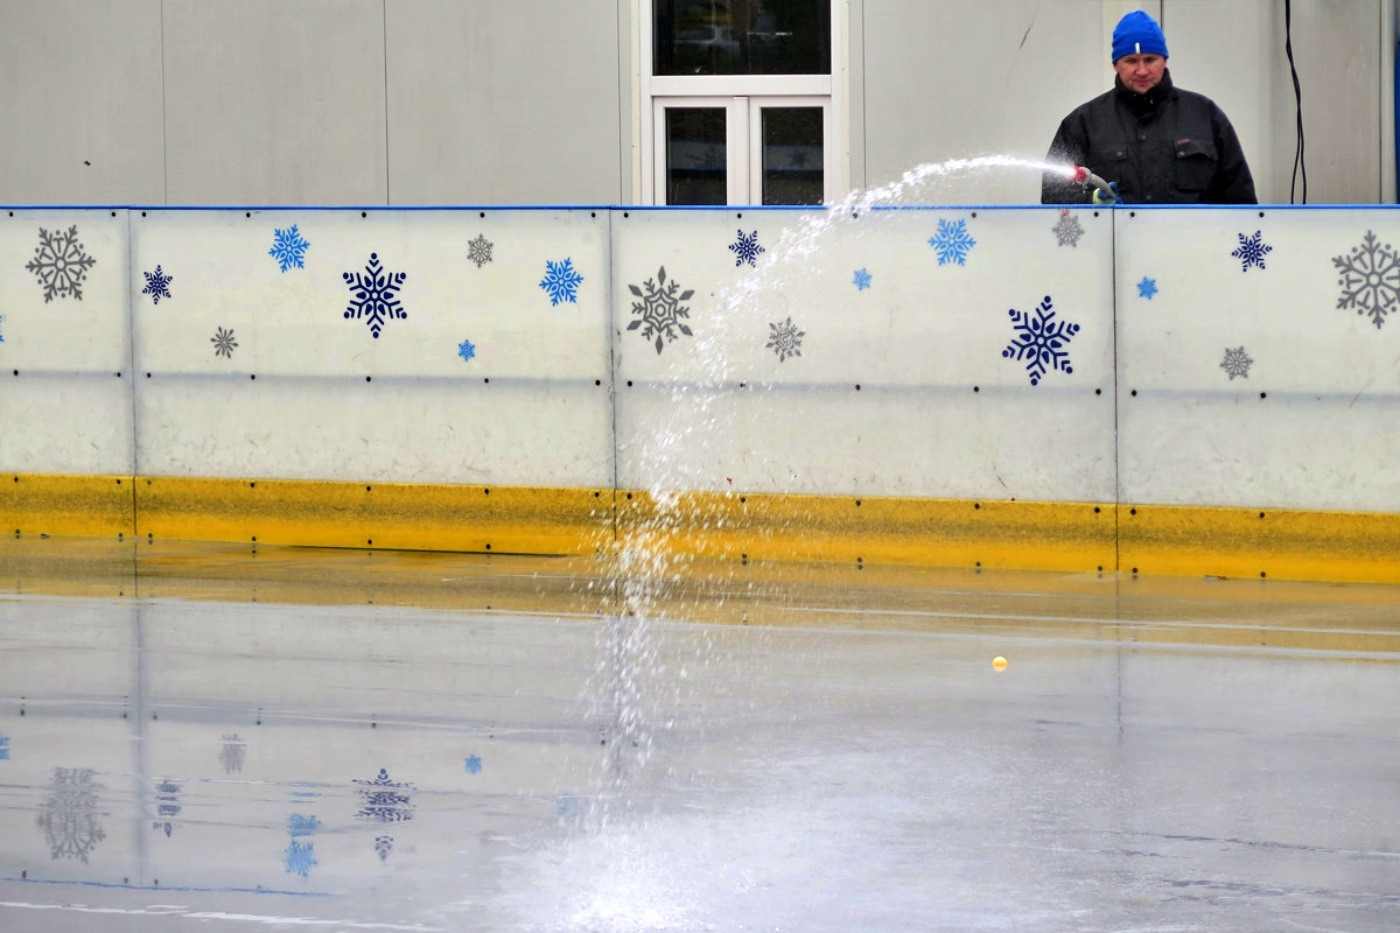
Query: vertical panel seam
x=384, y=48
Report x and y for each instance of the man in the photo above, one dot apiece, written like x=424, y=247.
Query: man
x=1156, y=142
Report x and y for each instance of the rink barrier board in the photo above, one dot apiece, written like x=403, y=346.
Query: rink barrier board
x=1278, y=544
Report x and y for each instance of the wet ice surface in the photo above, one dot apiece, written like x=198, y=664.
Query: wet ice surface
x=1158, y=755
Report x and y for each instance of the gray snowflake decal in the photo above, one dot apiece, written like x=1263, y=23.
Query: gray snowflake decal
x=785, y=339
x=288, y=248
x=223, y=342
x=233, y=753
x=952, y=242
x=1370, y=279
x=1252, y=250
x=561, y=281
x=1236, y=363
x=157, y=285
x=746, y=249
x=1067, y=229
x=479, y=250
x=1041, y=340
x=374, y=295
x=660, y=309
x=69, y=815
x=60, y=263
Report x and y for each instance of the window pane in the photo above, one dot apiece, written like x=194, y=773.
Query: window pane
x=696, y=156
x=742, y=37
x=792, y=155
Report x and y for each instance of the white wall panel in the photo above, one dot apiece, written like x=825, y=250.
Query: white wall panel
x=899, y=358
x=65, y=345
x=268, y=102
x=1241, y=380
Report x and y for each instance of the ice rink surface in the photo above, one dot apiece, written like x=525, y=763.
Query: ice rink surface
x=210, y=738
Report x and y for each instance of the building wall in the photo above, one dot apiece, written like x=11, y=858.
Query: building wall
x=404, y=102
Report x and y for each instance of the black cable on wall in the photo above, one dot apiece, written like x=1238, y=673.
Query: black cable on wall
x=1299, y=162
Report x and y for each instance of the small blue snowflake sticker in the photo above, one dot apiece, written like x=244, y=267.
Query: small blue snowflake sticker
x=466, y=350
x=1251, y=251
x=2, y=321
x=4, y=747
x=288, y=248
x=1147, y=288
x=157, y=285
x=374, y=295
x=861, y=280
x=300, y=858
x=1041, y=340
x=746, y=249
x=473, y=764
x=952, y=242
x=561, y=281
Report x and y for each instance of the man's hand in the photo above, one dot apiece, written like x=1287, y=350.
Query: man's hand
x=1101, y=198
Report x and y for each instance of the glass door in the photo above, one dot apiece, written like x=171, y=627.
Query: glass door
x=742, y=150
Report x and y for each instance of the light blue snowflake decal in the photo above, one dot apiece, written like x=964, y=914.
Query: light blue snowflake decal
x=952, y=242
x=299, y=825
x=374, y=295
x=1041, y=340
x=2, y=321
x=861, y=280
x=1252, y=251
x=288, y=248
x=561, y=281
x=300, y=858
x=157, y=285
x=1147, y=288
x=746, y=249
x=466, y=350
x=473, y=764
x=4, y=747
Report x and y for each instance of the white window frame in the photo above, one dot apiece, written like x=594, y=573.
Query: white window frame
x=742, y=97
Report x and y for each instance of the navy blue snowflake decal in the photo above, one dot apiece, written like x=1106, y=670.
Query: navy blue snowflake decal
x=746, y=249
x=374, y=295
x=561, y=281
x=384, y=800
x=861, y=280
x=466, y=350
x=1147, y=288
x=1252, y=251
x=952, y=242
x=1041, y=341
x=157, y=285
x=288, y=248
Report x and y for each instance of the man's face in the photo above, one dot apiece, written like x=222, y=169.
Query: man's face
x=1141, y=72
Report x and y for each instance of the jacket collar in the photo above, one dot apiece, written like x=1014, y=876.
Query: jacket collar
x=1142, y=104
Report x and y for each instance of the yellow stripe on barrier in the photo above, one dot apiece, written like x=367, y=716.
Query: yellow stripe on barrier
x=1274, y=544
x=1147, y=539
x=857, y=529
x=54, y=504
x=501, y=519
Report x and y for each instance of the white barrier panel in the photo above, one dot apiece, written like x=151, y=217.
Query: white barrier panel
x=65, y=345
x=939, y=353
x=1259, y=358
x=455, y=346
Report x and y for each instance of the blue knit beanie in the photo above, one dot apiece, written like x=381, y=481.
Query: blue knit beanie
x=1138, y=34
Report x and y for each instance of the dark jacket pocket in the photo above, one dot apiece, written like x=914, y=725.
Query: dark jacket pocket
x=1196, y=163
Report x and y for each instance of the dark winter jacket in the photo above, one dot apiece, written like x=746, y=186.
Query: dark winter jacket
x=1167, y=146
